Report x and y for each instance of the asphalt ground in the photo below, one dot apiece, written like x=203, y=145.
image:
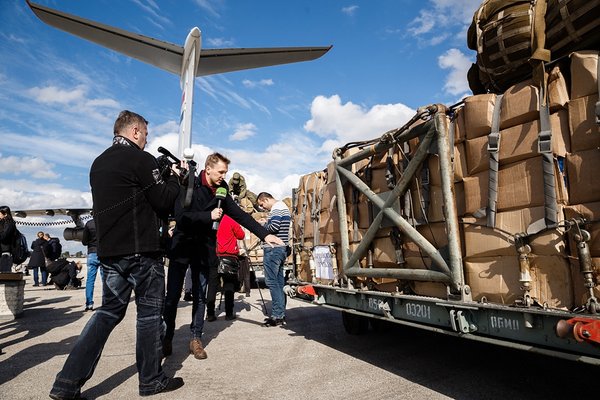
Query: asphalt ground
x=311, y=358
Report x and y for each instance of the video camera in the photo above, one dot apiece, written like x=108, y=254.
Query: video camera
x=167, y=160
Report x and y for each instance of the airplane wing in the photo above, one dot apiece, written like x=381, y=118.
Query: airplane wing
x=169, y=56
x=51, y=212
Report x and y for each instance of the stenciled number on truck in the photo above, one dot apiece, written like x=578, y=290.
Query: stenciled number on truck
x=418, y=310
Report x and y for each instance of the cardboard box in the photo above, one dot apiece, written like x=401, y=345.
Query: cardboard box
x=520, y=104
x=584, y=183
x=435, y=211
x=519, y=143
x=329, y=227
x=497, y=279
x=478, y=112
x=584, y=73
x=591, y=212
x=459, y=126
x=557, y=89
x=483, y=241
x=585, y=133
x=520, y=184
x=458, y=166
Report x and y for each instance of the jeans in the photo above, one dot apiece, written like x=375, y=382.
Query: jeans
x=36, y=275
x=175, y=278
x=273, y=260
x=146, y=277
x=93, y=264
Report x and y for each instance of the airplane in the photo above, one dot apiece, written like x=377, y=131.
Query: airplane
x=188, y=61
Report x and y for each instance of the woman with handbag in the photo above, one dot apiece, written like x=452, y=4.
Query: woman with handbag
x=227, y=250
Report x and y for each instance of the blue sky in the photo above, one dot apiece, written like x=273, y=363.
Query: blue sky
x=59, y=94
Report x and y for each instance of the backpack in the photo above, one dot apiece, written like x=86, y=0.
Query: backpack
x=20, y=250
x=55, y=248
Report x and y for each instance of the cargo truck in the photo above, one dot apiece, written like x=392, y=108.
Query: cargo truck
x=479, y=220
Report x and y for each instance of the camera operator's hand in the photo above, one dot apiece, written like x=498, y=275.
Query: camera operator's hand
x=216, y=214
x=180, y=169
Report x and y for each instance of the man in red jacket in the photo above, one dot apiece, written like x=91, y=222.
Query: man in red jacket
x=227, y=250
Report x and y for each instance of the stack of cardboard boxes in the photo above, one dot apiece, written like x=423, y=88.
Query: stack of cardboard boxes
x=524, y=195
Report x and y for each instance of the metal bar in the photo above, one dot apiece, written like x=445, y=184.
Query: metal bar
x=343, y=220
x=450, y=213
x=352, y=268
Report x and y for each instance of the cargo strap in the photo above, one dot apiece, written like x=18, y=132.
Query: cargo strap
x=355, y=215
x=314, y=210
x=318, y=201
x=390, y=176
x=396, y=237
x=545, y=149
x=598, y=82
x=304, y=207
x=493, y=149
x=425, y=189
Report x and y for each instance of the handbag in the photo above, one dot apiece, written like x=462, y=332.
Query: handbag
x=228, y=266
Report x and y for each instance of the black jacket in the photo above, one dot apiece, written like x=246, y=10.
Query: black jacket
x=37, y=259
x=8, y=229
x=131, y=201
x=89, y=238
x=194, y=240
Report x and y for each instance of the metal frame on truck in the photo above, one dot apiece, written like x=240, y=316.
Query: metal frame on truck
x=525, y=325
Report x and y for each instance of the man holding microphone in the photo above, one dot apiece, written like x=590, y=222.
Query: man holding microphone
x=194, y=243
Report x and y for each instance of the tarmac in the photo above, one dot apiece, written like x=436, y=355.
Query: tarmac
x=311, y=358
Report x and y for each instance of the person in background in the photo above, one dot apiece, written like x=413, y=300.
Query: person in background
x=90, y=240
x=37, y=261
x=228, y=234
x=278, y=223
x=132, y=199
x=52, y=248
x=63, y=274
x=8, y=230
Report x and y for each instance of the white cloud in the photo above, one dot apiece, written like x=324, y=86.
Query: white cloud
x=209, y=6
x=243, y=132
x=53, y=94
x=440, y=18
x=220, y=42
x=25, y=194
x=252, y=84
x=350, y=10
x=35, y=167
x=458, y=64
x=351, y=122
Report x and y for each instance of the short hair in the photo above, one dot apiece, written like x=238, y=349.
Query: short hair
x=46, y=235
x=263, y=196
x=127, y=118
x=214, y=158
x=40, y=234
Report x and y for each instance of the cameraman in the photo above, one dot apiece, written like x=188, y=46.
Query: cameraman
x=131, y=202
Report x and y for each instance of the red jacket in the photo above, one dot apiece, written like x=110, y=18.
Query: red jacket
x=227, y=236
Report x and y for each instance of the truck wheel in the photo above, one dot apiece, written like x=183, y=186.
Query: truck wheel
x=355, y=324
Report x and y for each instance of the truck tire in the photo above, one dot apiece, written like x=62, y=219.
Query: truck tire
x=355, y=324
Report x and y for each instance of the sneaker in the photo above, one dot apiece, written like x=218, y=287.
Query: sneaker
x=36, y=284
x=211, y=318
x=230, y=317
x=197, y=350
x=167, y=348
x=188, y=296
x=89, y=308
x=274, y=321
x=172, y=384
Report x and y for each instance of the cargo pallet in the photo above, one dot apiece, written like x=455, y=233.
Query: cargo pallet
x=526, y=325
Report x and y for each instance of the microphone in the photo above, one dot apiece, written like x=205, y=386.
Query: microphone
x=220, y=195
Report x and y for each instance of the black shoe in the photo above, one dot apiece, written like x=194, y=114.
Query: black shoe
x=89, y=308
x=173, y=384
x=57, y=397
x=230, y=317
x=270, y=322
x=280, y=321
x=36, y=284
x=211, y=318
x=188, y=296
